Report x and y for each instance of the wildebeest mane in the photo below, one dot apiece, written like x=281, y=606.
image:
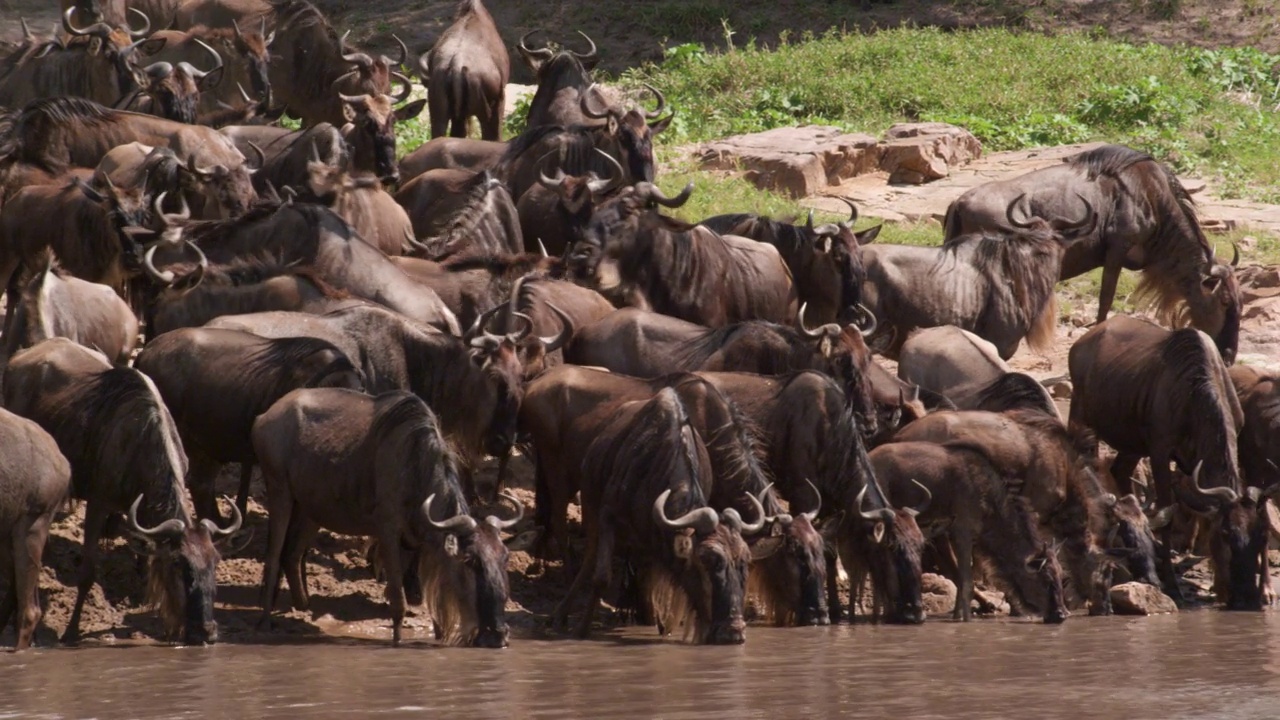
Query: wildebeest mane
x=1014, y=391
x=477, y=223
x=264, y=367
x=693, y=354
x=1197, y=400
x=28, y=135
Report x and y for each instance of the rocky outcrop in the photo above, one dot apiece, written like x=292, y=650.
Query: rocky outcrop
x=799, y=161
x=916, y=153
x=1135, y=598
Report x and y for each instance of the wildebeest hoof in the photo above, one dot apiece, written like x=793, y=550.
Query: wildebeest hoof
x=70, y=638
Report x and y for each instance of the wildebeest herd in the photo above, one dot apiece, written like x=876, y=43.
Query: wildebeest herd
x=368, y=331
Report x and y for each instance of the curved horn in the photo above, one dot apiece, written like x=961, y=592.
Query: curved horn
x=1008, y=213
x=542, y=249
x=662, y=103
x=813, y=514
x=1086, y=221
x=928, y=498
x=359, y=59
x=616, y=175
x=404, y=50
x=552, y=183
x=27, y=36
x=657, y=196
x=236, y=26
x=497, y=524
x=566, y=330
x=1225, y=494
x=146, y=25
x=590, y=55
x=703, y=519
x=170, y=527
x=356, y=100
x=148, y=263
x=459, y=524
x=808, y=225
x=262, y=156
x=161, y=70
x=585, y=106
x=539, y=54
x=814, y=334
x=479, y=325
x=262, y=30
x=408, y=87
x=99, y=29
x=734, y=520
x=881, y=515
x=1235, y=255
x=217, y=62
x=216, y=532
x=525, y=331
x=853, y=213
x=869, y=328
x=172, y=218
x=343, y=77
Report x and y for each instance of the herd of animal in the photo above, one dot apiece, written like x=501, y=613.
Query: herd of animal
x=368, y=331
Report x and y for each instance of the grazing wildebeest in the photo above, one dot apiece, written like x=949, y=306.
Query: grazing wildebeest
x=360, y=200
x=245, y=56
x=125, y=453
x=966, y=370
x=824, y=260
x=472, y=285
x=1165, y=394
x=973, y=504
x=638, y=257
x=54, y=304
x=455, y=212
x=379, y=466
x=466, y=74
x=1259, y=440
x=315, y=236
x=35, y=480
x=647, y=463
x=997, y=284
x=215, y=382
x=215, y=192
x=1146, y=221
x=812, y=438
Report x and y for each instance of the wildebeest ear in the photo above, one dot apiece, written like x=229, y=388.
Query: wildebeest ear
x=683, y=546
x=152, y=46
x=349, y=113
x=612, y=125
x=866, y=237
x=658, y=126
x=824, y=244
x=1036, y=564
x=524, y=541
x=766, y=548
x=212, y=79
x=451, y=545
x=410, y=111
x=877, y=533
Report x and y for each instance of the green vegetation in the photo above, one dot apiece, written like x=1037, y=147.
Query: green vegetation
x=1211, y=111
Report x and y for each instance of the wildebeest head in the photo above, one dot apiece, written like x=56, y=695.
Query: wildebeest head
x=712, y=560
x=477, y=575
x=253, y=46
x=119, y=46
x=613, y=227
x=579, y=194
x=797, y=577
x=895, y=545
x=372, y=130
x=840, y=245
x=631, y=131
x=1044, y=567
x=499, y=357
x=181, y=572
x=547, y=63
x=1238, y=530
x=1220, y=306
x=130, y=213
x=1130, y=539
x=176, y=89
x=228, y=189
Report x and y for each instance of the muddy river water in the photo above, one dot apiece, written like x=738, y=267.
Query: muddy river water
x=1193, y=665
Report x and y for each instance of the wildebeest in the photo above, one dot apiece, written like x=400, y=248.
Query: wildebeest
x=125, y=453
x=562, y=76
x=378, y=466
x=813, y=438
x=360, y=200
x=974, y=505
x=825, y=260
x=552, y=211
x=998, y=284
x=212, y=193
x=450, y=153
x=466, y=74
x=1146, y=221
x=1151, y=392
x=472, y=285
x=35, y=480
x=638, y=257
x=549, y=149
x=456, y=212
x=1259, y=440
x=372, y=121
x=646, y=465
x=534, y=297
x=54, y=304
x=215, y=382
x=967, y=370
x=173, y=90
x=245, y=56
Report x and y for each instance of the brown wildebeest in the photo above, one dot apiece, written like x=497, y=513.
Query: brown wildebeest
x=972, y=503
x=215, y=382
x=456, y=212
x=998, y=284
x=1165, y=394
x=216, y=192
x=647, y=462
x=371, y=129
x=1146, y=221
x=466, y=74
x=534, y=296
x=450, y=153
x=379, y=466
x=54, y=304
x=1259, y=440
x=360, y=200
x=790, y=573
x=173, y=90
x=35, y=480
x=553, y=212
x=812, y=438
x=967, y=370
x=824, y=260
x=114, y=13
x=473, y=285
x=245, y=56
x=638, y=257
x=551, y=149
x=562, y=76
x=125, y=453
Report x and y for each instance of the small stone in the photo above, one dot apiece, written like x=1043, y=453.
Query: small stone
x=1061, y=390
x=915, y=153
x=1135, y=598
x=938, y=594
x=799, y=161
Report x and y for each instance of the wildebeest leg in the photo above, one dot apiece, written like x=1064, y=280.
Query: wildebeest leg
x=560, y=618
x=10, y=600
x=1122, y=472
x=1163, y=480
x=603, y=553
x=491, y=126
x=200, y=480
x=302, y=533
x=834, y=609
x=1110, y=277
x=242, y=498
x=389, y=539
x=26, y=579
x=95, y=518
x=962, y=545
x=277, y=533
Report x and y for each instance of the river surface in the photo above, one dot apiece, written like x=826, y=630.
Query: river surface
x=1193, y=665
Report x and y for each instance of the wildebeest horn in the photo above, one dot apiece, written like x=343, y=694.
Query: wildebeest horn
x=656, y=195
x=542, y=249
x=853, y=213
x=868, y=328
x=358, y=101
x=566, y=329
x=1162, y=517
x=552, y=183
x=703, y=519
x=1008, y=213
x=616, y=175
x=146, y=24
x=404, y=50
x=585, y=106
x=478, y=326
x=217, y=532
x=200, y=74
x=408, y=87
x=498, y=524
x=315, y=153
x=236, y=26
x=813, y=514
x=148, y=263
x=880, y=515
x=1086, y=221
x=99, y=29
x=783, y=518
x=262, y=30
x=27, y=35
x=262, y=156
x=160, y=70
x=662, y=103
x=1235, y=255
x=734, y=520
x=928, y=498
x=168, y=528
x=589, y=55
x=196, y=170
x=815, y=334
x=1224, y=493
x=539, y=54
x=458, y=524
x=524, y=332
x=172, y=218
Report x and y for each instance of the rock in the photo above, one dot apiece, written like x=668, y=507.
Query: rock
x=1135, y=598
x=938, y=594
x=1060, y=390
x=799, y=161
x=1264, y=311
x=915, y=153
